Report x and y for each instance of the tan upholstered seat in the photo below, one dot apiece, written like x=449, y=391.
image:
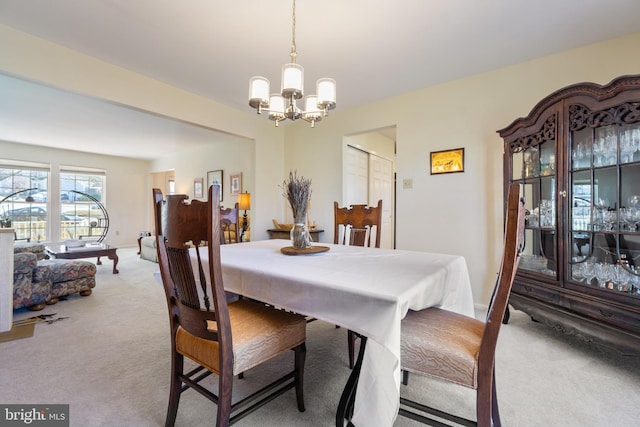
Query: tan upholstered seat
x=259, y=334
x=459, y=349
x=442, y=344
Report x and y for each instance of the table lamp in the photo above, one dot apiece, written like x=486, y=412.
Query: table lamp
x=244, y=203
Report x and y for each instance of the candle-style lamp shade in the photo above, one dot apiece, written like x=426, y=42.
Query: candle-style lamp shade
x=244, y=203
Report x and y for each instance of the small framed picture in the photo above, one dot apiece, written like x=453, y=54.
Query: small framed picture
x=236, y=184
x=215, y=177
x=447, y=161
x=197, y=187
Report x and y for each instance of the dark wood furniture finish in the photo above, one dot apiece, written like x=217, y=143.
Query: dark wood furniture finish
x=571, y=155
x=89, y=251
x=460, y=349
x=229, y=220
x=354, y=226
x=276, y=233
x=359, y=220
x=222, y=338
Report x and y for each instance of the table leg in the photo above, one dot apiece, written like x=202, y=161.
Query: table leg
x=114, y=258
x=347, y=400
x=98, y=262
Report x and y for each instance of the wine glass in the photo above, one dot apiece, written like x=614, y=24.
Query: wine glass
x=603, y=274
x=589, y=271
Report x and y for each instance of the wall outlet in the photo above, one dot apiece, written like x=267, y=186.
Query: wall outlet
x=407, y=183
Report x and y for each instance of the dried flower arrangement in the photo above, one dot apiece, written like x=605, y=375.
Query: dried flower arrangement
x=297, y=190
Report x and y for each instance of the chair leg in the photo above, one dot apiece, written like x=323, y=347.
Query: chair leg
x=351, y=341
x=495, y=413
x=405, y=377
x=300, y=356
x=486, y=403
x=225, y=389
x=177, y=364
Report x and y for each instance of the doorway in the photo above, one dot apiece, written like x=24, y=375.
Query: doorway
x=369, y=175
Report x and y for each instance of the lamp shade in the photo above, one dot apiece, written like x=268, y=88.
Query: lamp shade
x=258, y=92
x=244, y=201
x=311, y=108
x=276, y=107
x=326, y=91
x=292, y=80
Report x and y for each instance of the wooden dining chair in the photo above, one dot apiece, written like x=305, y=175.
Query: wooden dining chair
x=220, y=337
x=355, y=225
x=229, y=223
x=458, y=349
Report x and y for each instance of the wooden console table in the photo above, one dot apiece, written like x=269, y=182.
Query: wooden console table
x=276, y=233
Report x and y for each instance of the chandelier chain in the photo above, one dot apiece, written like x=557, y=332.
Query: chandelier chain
x=293, y=34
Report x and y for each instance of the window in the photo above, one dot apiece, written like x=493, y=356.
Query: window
x=82, y=211
x=23, y=199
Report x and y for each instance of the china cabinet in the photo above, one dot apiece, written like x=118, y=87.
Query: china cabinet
x=577, y=157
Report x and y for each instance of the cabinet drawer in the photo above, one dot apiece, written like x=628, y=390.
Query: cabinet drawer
x=537, y=292
x=619, y=317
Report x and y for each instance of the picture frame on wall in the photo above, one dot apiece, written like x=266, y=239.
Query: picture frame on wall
x=447, y=161
x=197, y=187
x=236, y=183
x=215, y=177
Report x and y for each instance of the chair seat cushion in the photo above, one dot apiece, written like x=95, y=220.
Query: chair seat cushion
x=259, y=333
x=442, y=344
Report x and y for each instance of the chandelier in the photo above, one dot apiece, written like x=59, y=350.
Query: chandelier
x=283, y=106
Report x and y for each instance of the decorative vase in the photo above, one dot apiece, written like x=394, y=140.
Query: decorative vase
x=300, y=237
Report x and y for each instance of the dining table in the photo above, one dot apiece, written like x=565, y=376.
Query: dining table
x=366, y=290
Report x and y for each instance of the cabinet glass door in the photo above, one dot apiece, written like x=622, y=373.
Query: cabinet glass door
x=538, y=166
x=604, y=208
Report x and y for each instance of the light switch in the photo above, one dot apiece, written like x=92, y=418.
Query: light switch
x=407, y=183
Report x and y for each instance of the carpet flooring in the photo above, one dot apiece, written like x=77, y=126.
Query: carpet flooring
x=109, y=360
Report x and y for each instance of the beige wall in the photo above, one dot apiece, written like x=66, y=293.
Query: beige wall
x=457, y=213
x=38, y=60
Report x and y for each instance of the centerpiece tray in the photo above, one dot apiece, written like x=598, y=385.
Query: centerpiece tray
x=290, y=250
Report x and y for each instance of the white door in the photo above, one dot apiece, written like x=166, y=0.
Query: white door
x=381, y=188
x=369, y=178
x=356, y=177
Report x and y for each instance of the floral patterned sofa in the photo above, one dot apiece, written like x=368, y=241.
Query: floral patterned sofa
x=40, y=282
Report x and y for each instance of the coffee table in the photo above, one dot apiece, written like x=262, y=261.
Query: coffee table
x=88, y=251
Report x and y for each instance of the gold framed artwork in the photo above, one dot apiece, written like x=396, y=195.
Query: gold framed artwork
x=197, y=187
x=236, y=183
x=215, y=177
x=447, y=161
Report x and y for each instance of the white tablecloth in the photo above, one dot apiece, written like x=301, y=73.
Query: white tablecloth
x=366, y=290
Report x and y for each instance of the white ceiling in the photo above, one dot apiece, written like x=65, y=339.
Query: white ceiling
x=374, y=49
